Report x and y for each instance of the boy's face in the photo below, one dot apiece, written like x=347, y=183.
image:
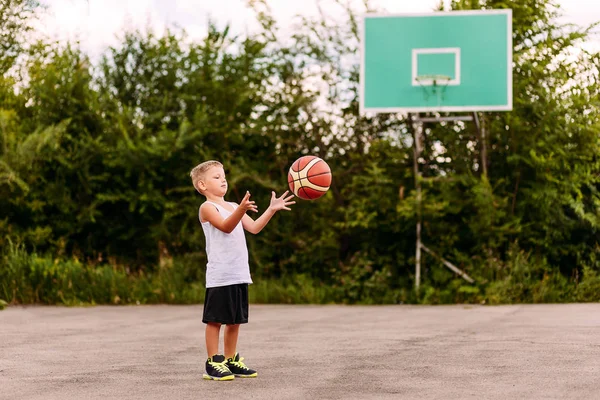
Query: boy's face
x=214, y=182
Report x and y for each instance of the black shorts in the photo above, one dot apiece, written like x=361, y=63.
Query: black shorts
x=226, y=304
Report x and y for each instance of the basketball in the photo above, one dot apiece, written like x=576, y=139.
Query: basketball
x=309, y=177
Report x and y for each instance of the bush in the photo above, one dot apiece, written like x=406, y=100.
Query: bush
x=588, y=289
x=27, y=278
x=30, y=278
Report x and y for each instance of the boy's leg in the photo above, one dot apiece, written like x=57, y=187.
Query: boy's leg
x=231, y=338
x=212, y=338
x=216, y=366
x=234, y=361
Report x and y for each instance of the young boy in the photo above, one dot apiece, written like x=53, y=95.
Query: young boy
x=227, y=271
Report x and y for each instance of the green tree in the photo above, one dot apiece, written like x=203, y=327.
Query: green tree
x=95, y=161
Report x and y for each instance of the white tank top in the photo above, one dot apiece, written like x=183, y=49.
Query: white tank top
x=226, y=252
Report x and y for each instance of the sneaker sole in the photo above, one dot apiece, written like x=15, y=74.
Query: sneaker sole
x=254, y=375
x=215, y=378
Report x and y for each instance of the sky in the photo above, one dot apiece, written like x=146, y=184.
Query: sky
x=98, y=23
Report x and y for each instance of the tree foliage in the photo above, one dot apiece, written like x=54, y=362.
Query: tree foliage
x=95, y=157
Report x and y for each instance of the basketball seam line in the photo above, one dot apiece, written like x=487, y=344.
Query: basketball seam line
x=322, y=173
x=305, y=192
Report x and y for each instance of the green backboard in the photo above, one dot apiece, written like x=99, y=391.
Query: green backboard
x=442, y=61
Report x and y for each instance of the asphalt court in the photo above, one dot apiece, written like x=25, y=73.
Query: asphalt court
x=305, y=352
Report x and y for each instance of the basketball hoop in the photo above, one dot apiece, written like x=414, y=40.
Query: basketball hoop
x=434, y=85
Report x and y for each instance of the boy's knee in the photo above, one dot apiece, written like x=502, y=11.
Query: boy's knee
x=214, y=324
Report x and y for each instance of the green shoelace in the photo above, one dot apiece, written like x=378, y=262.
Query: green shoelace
x=239, y=363
x=221, y=367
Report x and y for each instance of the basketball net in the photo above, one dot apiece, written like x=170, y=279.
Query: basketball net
x=434, y=85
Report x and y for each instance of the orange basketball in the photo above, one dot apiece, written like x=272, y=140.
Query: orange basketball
x=309, y=177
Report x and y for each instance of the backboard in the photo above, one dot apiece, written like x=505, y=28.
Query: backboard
x=440, y=61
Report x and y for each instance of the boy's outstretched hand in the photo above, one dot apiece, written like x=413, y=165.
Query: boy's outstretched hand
x=247, y=204
x=281, y=203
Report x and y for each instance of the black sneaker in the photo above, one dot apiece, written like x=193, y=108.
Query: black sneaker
x=239, y=369
x=216, y=369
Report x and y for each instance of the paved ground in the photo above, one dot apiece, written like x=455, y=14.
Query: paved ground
x=306, y=352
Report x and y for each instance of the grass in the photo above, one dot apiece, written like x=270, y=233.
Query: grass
x=29, y=278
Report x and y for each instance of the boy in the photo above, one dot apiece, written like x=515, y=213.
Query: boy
x=227, y=271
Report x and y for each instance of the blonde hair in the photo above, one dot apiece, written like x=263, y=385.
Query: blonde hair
x=199, y=170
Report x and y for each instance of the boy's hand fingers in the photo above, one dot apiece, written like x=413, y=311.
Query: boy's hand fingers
x=289, y=198
x=285, y=194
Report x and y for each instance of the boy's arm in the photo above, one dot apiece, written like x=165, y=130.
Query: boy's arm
x=227, y=225
x=277, y=203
